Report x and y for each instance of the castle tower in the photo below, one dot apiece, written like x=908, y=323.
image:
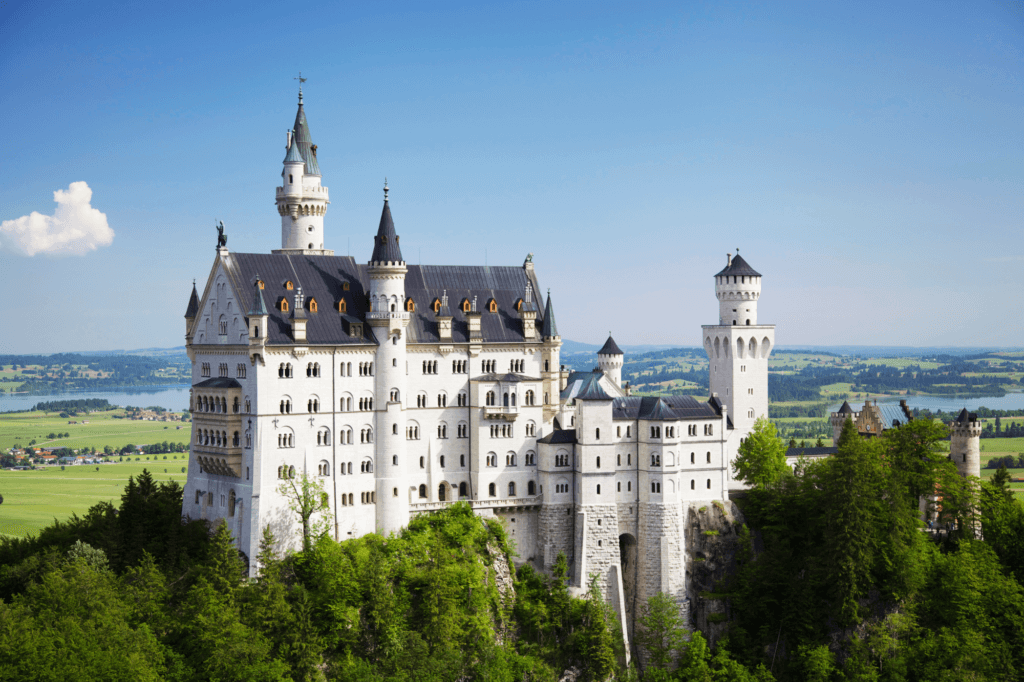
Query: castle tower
x=965, y=444
x=738, y=348
x=301, y=200
x=837, y=419
x=609, y=360
x=550, y=351
x=388, y=319
x=192, y=310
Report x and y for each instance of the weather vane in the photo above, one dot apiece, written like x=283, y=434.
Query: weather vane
x=301, y=81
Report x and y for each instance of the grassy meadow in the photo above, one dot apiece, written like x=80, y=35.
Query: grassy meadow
x=33, y=499
x=17, y=429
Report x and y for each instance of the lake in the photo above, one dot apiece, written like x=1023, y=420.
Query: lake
x=1010, y=401
x=174, y=398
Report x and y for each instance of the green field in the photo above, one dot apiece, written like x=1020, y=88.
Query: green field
x=17, y=429
x=33, y=499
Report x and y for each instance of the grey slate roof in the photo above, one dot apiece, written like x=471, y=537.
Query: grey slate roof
x=559, y=436
x=591, y=388
x=193, y=303
x=508, y=378
x=845, y=409
x=609, y=347
x=892, y=415
x=680, y=407
x=738, y=266
x=305, y=141
x=322, y=278
x=385, y=244
x=219, y=382
x=965, y=417
x=811, y=452
x=548, y=328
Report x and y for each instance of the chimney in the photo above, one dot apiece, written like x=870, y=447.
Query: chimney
x=728, y=259
x=473, y=318
x=298, y=318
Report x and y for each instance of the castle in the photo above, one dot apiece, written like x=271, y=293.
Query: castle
x=403, y=388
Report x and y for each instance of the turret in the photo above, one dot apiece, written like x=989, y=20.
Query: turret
x=258, y=315
x=610, y=359
x=837, y=419
x=737, y=286
x=301, y=200
x=965, y=444
x=193, y=309
x=388, y=319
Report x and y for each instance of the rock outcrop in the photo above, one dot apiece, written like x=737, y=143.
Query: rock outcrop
x=712, y=543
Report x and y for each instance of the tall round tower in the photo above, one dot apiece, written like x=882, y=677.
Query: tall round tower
x=301, y=200
x=388, y=319
x=610, y=359
x=737, y=287
x=965, y=444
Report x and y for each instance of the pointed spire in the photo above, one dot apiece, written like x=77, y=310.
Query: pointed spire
x=258, y=306
x=293, y=155
x=549, y=328
x=385, y=244
x=304, y=141
x=193, y=302
x=610, y=347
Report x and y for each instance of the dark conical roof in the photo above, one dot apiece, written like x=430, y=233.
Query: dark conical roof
x=846, y=409
x=964, y=416
x=305, y=141
x=385, y=244
x=609, y=347
x=193, y=303
x=548, y=328
x=293, y=155
x=738, y=266
x=258, y=306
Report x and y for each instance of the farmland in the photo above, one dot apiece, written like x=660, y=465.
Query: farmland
x=33, y=499
x=19, y=429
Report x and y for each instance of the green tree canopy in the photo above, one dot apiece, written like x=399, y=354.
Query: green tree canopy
x=761, y=461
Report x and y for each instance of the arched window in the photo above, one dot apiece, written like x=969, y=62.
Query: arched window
x=231, y=503
x=462, y=489
x=442, y=490
x=490, y=398
x=423, y=491
x=512, y=489
x=531, y=489
x=491, y=490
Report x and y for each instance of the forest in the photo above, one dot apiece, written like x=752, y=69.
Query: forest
x=836, y=579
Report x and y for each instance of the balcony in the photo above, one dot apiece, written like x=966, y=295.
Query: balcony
x=489, y=503
x=500, y=413
x=387, y=316
x=224, y=461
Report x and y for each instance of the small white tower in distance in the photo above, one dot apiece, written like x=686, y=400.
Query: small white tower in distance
x=301, y=200
x=738, y=349
x=965, y=444
x=388, y=319
x=610, y=359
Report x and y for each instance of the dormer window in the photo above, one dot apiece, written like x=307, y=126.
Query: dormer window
x=312, y=305
x=492, y=306
x=288, y=285
x=410, y=305
x=436, y=305
x=466, y=305
x=345, y=286
x=283, y=305
x=259, y=283
x=342, y=306
x=519, y=305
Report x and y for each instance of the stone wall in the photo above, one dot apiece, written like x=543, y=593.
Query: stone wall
x=522, y=527
x=554, y=535
x=597, y=543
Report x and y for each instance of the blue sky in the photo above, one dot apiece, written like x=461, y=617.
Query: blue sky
x=867, y=158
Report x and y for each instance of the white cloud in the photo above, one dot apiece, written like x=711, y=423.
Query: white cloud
x=74, y=229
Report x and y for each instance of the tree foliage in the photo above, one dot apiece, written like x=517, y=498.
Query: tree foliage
x=761, y=461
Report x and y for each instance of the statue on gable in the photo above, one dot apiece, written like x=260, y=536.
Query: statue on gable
x=222, y=239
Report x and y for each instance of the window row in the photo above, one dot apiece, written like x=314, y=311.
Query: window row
x=501, y=430
x=230, y=501
x=217, y=439
x=508, y=399
x=670, y=431
x=218, y=404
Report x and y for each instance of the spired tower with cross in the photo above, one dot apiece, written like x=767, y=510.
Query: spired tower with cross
x=301, y=199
